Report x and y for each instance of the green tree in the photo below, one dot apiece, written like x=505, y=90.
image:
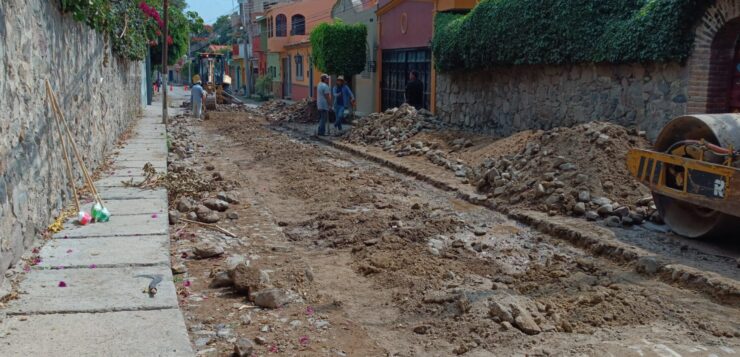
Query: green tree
x=223, y=31
x=339, y=48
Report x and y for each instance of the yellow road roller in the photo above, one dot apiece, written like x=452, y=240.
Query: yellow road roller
x=694, y=174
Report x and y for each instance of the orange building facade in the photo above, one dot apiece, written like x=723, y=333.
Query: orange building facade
x=289, y=49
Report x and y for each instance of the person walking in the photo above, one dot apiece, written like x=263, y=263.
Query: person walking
x=415, y=91
x=343, y=98
x=197, y=96
x=323, y=98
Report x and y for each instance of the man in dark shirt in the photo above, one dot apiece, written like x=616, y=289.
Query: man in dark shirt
x=415, y=91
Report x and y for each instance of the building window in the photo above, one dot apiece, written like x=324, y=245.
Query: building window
x=298, y=25
x=269, y=26
x=281, y=26
x=299, y=67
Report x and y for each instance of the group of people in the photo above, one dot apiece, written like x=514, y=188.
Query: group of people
x=341, y=97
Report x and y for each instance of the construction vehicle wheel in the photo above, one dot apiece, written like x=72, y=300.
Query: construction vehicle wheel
x=684, y=218
x=692, y=221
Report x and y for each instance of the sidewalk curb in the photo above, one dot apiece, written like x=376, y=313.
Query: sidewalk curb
x=722, y=289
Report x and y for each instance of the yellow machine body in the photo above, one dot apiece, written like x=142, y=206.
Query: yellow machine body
x=694, y=174
x=704, y=184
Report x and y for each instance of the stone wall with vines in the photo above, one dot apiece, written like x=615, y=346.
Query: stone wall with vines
x=99, y=92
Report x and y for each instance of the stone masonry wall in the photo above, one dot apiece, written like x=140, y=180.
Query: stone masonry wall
x=506, y=100
x=100, y=100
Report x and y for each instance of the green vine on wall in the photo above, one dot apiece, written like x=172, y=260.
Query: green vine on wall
x=512, y=32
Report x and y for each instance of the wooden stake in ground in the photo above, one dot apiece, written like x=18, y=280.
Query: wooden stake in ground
x=83, y=167
x=70, y=176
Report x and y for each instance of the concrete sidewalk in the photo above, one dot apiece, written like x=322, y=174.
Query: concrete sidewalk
x=103, y=310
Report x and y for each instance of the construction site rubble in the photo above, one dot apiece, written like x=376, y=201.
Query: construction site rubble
x=576, y=171
x=391, y=127
x=303, y=111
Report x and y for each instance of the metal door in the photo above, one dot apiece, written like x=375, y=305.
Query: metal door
x=396, y=67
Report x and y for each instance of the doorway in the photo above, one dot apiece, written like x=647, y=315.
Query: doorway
x=286, y=78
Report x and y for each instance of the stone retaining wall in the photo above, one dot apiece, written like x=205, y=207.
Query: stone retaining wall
x=99, y=93
x=510, y=99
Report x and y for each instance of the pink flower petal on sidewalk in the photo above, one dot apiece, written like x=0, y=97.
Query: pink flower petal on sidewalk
x=303, y=341
x=69, y=251
x=309, y=311
x=273, y=349
x=26, y=268
x=62, y=284
x=154, y=215
x=186, y=283
x=93, y=266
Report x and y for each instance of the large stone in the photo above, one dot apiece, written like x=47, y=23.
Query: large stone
x=221, y=280
x=247, y=279
x=174, y=217
x=269, y=298
x=230, y=197
x=605, y=210
x=579, y=208
x=186, y=205
x=243, y=347
x=501, y=311
x=206, y=215
x=206, y=250
x=216, y=204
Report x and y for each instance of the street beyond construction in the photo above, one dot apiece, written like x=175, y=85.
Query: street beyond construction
x=336, y=247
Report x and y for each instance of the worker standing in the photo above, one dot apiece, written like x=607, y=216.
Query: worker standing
x=415, y=91
x=343, y=98
x=197, y=96
x=323, y=97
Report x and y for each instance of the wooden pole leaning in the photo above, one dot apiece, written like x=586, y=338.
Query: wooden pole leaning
x=76, y=152
x=64, y=147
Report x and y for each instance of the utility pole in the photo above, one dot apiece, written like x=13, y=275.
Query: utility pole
x=165, y=48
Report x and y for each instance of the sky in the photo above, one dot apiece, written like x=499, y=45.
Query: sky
x=210, y=10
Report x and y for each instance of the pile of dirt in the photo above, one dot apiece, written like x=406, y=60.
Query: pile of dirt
x=391, y=127
x=303, y=111
x=577, y=171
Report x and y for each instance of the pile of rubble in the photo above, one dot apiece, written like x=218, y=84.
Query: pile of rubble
x=392, y=127
x=577, y=171
x=303, y=111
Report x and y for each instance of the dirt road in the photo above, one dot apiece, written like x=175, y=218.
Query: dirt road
x=378, y=264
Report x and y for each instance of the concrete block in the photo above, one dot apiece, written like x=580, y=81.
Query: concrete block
x=118, y=226
x=125, y=334
x=94, y=290
x=106, y=252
